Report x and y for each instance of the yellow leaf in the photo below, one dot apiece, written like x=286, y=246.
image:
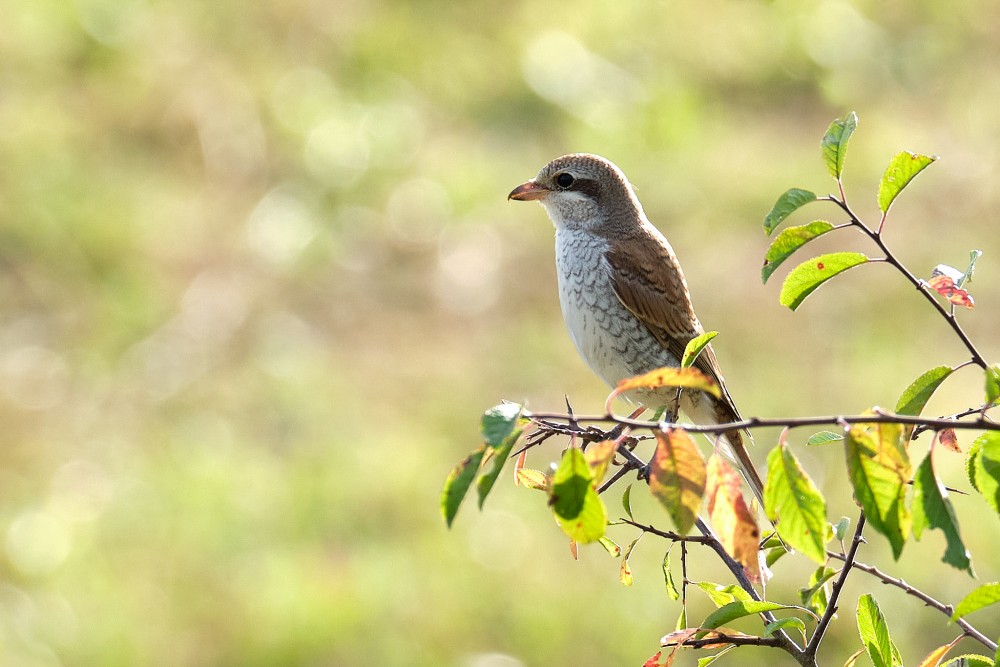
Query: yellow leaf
x=677, y=477
x=599, y=457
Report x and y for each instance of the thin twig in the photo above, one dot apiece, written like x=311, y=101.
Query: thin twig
x=838, y=587
x=722, y=638
x=945, y=609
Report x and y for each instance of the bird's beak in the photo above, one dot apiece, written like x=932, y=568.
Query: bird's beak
x=528, y=191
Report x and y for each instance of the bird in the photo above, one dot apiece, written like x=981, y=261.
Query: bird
x=623, y=294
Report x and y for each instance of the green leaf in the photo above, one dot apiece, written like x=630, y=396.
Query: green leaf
x=486, y=481
x=627, y=501
x=969, y=660
x=984, y=596
x=668, y=578
x=992, y=384
x=498, y=422
x=814, y=596
x=835, y=143
x=901, y=170
x=986, y=467
x=787, y=242
x=457, y=484
x=915, y=396
x=795, y=505
x=577, y=507
x=974, y=256
x=879, y=472
x=705, y=662
x=738, y=609
x=784, y=623
x=723, y=595
x=611, y=546
x=787, y=204
x=970, y=460
x=931, y=508
x=875, y=633
x=824, y=437
x=695, y=346
x=840, y=529
x=807, y=276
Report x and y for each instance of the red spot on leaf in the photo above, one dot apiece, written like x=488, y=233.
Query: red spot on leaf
x=820, y=265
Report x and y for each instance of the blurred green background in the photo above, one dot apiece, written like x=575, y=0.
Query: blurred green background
x=259, y=280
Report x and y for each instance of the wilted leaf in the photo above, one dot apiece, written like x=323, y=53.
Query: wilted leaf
x=824, y=437
x=787, y=242
x=457, y=484
x=805, y=278
x=947, y=288
x=985, y=457
x=915, y=397
x=879, y=472
x=795, y=504
x=689, y=378
x=787, y=204
x=901, y=170
x=734, y=524
x=678, y=637
x=949, y=440
x=498, y=422
x=835, y=143
x=574, y=501
x=653, y=661
x=984, y=596
x=695, y=346
x=974, y=256
x=931, y=508
x=677, y=477
x=851, y=661
x=875, y=633
x=625, y=572
x=933, y=659
x=500, y=454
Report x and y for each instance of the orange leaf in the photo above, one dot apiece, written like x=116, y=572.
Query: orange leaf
x=949, y=440
x=677, y=477
x=946, y=287
x=934, y=658
x=691, y=378
x=730, y=517
x=654, y=660
x=521, y=459
x=574, y=550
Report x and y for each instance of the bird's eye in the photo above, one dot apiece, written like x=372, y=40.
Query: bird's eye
x=564, y=180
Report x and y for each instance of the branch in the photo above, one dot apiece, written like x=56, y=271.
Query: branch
x=722, y=638
x=838, y=587
x=949, y=316
x=945, y=609
x=980, y=424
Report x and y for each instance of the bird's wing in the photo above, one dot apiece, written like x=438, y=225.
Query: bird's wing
x=661, y=301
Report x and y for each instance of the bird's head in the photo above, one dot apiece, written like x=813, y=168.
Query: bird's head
x=583, y=191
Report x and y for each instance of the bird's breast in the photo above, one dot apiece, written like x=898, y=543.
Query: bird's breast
x=612, y=341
